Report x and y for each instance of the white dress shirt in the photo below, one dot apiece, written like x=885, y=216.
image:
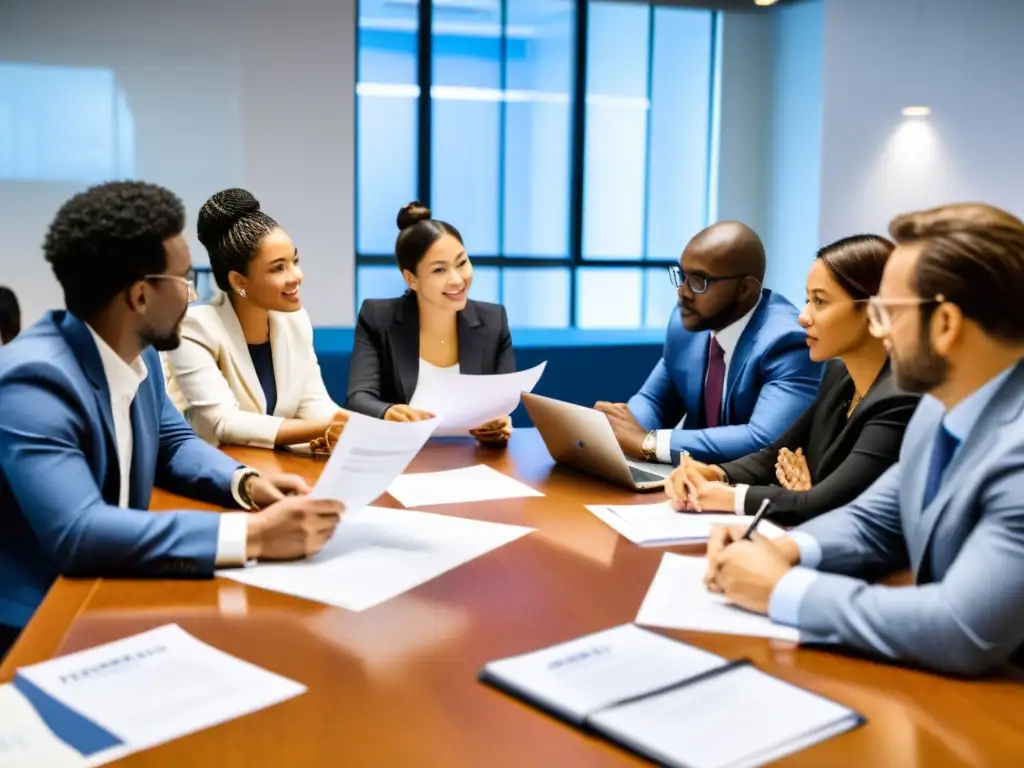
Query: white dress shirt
x=124, y=380
x=728, y=338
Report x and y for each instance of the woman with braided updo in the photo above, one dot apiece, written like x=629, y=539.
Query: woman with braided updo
x=246, y=366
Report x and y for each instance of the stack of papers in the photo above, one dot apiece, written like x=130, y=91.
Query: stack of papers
x=671, y=702
x=377, y=554
x=457, y=486
x=463, y=402
x=658, y=525
x=122, y=697
x=678, y=599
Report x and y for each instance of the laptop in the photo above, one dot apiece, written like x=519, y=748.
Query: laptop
x=582, y=438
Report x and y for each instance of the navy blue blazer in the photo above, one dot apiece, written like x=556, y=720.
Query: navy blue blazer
x=59, y=475
x=771, y=381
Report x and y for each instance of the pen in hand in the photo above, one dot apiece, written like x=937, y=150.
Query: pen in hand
x=757, y=519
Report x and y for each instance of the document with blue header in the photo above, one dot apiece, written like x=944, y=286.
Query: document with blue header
x=671, y=702
x=145, y=690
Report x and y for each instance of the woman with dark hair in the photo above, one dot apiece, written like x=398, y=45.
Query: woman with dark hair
x=851, y=433
x=246, y=368
x=432, y=331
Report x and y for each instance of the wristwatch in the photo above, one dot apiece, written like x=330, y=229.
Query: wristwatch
x=243, y=489
x=649, y=447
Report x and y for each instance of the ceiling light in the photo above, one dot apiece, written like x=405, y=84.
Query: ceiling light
x=765, y=2
x=917, y=111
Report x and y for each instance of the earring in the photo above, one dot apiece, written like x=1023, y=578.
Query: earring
x=241, y=292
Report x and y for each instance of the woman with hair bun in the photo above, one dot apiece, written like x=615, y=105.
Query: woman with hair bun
x=432, y=331
x=851, y=433
x=246, y=368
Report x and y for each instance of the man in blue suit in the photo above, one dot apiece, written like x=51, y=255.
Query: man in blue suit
x=87, y=430
x=952, y=509
x=736, y=370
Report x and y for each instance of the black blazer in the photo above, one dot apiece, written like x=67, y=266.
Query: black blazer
x=844, y=457
x=385, y=361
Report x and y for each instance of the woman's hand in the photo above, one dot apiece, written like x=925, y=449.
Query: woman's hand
x=494, y=432
x=792, y=471
x=325, y=444
x=405, y=413
x=685, y=484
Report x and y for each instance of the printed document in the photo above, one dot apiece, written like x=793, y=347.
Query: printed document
x=25, y=741
x=457, y=486
x=589, y=673
x=463, y=402
x=741, y=717
x=658, y=525
x=145, y=690
x=678, y=599
x=377, y=554
x=367, y=458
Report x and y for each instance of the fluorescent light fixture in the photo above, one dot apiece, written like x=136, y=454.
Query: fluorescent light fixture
x=917, y=111
x=765, y=2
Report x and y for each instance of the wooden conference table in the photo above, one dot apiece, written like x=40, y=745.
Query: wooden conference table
x=396, y=685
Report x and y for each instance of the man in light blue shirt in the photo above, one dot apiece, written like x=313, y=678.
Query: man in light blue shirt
x=952, y=510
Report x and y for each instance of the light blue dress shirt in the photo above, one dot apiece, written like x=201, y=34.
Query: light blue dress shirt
x=784, y=604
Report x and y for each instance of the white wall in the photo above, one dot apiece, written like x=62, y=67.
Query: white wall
x=964, y=60
x=251, y=93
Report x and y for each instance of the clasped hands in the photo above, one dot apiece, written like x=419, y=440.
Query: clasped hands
x=494, y=432
x=697, y=487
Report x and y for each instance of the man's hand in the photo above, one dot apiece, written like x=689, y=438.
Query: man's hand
x=746, y=572
x=792, y=471
x=264, y=490
x=494, y=432
x=627, y=430
x=293, y=528
x=690, y=481
x=405, y=413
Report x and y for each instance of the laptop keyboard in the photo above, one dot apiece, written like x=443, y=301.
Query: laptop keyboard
x=642, y=476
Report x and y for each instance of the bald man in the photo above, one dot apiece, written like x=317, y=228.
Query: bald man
x=735, y=371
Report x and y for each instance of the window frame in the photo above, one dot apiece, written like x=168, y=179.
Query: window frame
x=575, y=259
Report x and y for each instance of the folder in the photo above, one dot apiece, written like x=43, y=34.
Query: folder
x=670, y=702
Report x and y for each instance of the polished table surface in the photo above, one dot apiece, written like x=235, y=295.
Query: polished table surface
x=396, y=684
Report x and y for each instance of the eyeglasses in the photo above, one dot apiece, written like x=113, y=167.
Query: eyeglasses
x=190, y=283
x=880, y=318
x=700, y=283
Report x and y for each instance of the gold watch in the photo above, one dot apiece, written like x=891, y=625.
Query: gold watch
x=649, y=447
x=243, y=490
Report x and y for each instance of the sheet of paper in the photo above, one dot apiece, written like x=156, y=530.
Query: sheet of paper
x=741, y=717
x=25, y=741
x=678, y=599
x=593, y=671
x=463, y=402
x=658, y=525
x=151, y=688
x=376, y=554
x=367, y=458
x=457, y=486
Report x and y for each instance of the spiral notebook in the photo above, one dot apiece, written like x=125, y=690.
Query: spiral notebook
x=670, y=702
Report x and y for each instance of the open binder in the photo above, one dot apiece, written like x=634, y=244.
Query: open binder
x=670, y=702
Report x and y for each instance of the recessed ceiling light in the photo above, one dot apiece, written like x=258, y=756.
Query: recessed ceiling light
x=765, y=2
x=917, y=111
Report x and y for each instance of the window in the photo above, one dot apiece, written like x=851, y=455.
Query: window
x=568, y=142
x=68, y=124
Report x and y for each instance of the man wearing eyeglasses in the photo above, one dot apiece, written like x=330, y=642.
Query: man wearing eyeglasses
x=735, y=370
x=86, y=428
x=952, y=509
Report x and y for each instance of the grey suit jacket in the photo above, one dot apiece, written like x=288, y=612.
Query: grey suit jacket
x=964, y=614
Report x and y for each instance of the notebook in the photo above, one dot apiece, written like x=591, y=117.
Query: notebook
x=669, y=701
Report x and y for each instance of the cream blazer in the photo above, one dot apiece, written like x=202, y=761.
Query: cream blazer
x=211, y=378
